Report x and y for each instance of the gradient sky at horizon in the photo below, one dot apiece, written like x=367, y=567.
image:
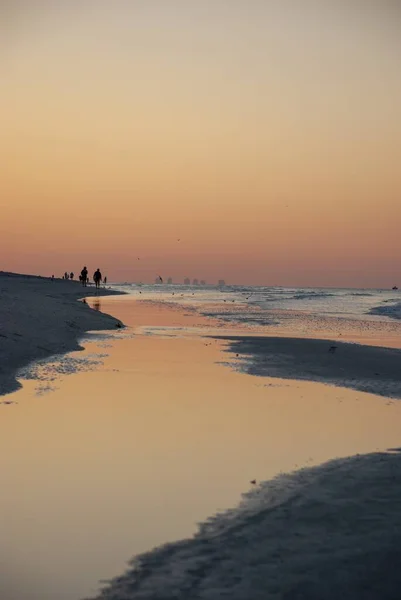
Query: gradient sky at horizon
x=265, y=135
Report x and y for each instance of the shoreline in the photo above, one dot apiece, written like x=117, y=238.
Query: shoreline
x=161, y=437
x=324, y=532
x=40, y=317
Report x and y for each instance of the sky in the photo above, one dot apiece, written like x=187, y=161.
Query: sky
x=264, y=135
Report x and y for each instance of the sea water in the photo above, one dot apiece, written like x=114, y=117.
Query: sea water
x=111, y=452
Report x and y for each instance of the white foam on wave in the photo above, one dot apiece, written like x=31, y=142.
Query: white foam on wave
x=312, y=295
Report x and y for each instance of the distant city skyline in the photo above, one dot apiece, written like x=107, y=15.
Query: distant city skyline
x=255, y=141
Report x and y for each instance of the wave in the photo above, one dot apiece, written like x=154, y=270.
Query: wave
x=360, y=294
x=318, y=534
x=312, y=295
x=389, y=310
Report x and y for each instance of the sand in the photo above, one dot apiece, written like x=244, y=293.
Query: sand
x=371, y=369
x=39, y=318
x=333, y=531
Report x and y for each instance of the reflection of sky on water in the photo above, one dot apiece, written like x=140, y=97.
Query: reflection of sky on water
x=355, y=315
x=152, y=439
x=96, y=304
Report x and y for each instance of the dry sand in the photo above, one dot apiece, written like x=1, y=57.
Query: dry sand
x=40, y=317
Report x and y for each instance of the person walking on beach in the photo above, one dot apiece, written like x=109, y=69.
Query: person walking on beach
x=97, y=278
x=105, y=280
x=84, y=276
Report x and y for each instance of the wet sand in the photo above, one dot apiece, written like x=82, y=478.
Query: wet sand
x=134, y=452
x=322, y=533
x=40, y=317
x=372, y=369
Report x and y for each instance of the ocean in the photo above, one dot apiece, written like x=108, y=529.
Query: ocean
x=358, y=303
x=364, y=315
x=325, y=532
x=219, y=442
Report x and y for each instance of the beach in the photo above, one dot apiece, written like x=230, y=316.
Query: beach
x=305, y=543
x=217, y=413
x=38, y=318
x=372, y=369
x=115, y=450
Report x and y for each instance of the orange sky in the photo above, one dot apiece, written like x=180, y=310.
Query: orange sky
x=266, y=136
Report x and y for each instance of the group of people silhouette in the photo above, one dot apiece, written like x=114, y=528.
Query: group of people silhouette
x=66, y=276
x=97, y=277
x=84, y=277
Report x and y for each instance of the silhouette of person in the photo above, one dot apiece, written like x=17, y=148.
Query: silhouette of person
x=97, y=277
x=71, y=275
x=105, y=280
x=84, y=276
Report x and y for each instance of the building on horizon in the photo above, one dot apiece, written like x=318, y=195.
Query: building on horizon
x=170, y=280
x=202, y=282
x=195, y=282
x=222, y=282
x=187, y=281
